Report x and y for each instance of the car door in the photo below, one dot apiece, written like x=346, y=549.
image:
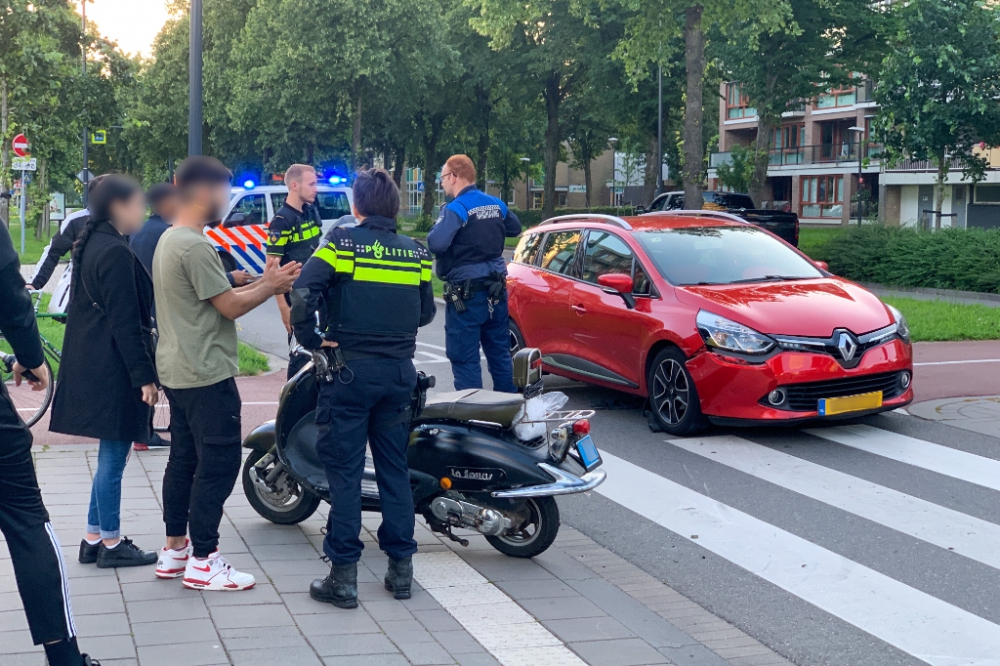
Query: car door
x=542, y=297
x=608, y=336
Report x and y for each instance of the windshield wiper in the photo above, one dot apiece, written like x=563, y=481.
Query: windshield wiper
x=770, y=278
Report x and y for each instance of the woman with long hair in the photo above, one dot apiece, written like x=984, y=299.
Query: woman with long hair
x=107, y=378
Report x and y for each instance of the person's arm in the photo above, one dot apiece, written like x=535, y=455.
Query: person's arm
x=58, y=247
x=427, y=306
x=512, y=225
x=120, y=299
x=444, y=230
x=234, y=303
x=17, y=318
x=278, y=234
x=322, y=270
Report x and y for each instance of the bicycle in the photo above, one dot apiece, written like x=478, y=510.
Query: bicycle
x=31, y=405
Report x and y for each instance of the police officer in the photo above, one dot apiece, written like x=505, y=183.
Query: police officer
x=375, y=288
x=468, y=241
x=34, y=549
x=294, y=235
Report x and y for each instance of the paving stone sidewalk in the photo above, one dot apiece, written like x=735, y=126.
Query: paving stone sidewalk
x=583, y=604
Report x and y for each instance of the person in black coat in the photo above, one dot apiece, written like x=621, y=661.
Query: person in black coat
x=107, y=378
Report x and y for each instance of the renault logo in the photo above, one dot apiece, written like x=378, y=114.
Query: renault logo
x=848, y=345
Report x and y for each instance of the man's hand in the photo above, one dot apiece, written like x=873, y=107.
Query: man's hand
x=41, y=373
x=281, y=278
x=329, y=343
x=150, y=394
x=240, y=278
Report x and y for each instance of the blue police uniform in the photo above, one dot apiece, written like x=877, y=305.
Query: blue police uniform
x=468, y=241
x=375, y=287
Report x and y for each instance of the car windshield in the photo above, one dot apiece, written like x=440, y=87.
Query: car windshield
x=723, y=255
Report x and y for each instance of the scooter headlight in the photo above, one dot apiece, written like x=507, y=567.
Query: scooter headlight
x=559, y=441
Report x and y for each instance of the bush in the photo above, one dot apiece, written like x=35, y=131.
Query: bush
x=968, y=260
x=531, y=218
x=423, y=223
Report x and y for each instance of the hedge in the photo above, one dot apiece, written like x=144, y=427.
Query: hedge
x=530, y=218
x=968, y=260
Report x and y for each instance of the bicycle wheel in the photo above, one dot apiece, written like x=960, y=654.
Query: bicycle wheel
x=161, y=413
x=30, y=404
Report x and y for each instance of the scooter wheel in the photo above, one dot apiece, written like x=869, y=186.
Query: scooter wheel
x=278, y=508
x=536, y=535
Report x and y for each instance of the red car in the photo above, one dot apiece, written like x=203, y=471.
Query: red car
x=711, y=318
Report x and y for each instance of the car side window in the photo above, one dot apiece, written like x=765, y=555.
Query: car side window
x=527, y=249
x=333, y=205
x=658, y=203
x=641, y=286
x=559, y=252
x=253, y=206
x=605, y=253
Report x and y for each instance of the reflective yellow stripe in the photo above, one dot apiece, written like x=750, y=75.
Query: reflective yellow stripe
x=425, y=275
x=386, y=276
x=345, y=266
x=327, y=255
x=387, y=262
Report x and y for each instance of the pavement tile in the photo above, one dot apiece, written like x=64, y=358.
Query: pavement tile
x=561, y=608
x=587, y=629
x=289, y=552
x=368, y=660
x=768, y=659
x=109, y=624
x=261, y=593
x=643, y=622
x=335, y=646
x=694, y=655
x=252, y=638
x=435, y=620
x=264, y=615
x=562, y=566
x=169, y=633
x=313, y=566
x=187, y=653
x=345, y=622
x=476, y=659
x=536, y=589
x=10, y=601
x=425, y=654
x=108, y=647
x=745, y=651
x=164, y=610
x=405, y=632
x=149, y=590
x=623, y=652
x=300, y=656
x=13, y=641
x=259, y=535
x=389, y=609
x=300, y=603
x=25, y=659
x=92, y=604
x=458, y=642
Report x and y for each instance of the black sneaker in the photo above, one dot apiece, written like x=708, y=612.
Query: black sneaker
x=125, y=554
x=158, y=440
x=90, y=661
x=88, y=552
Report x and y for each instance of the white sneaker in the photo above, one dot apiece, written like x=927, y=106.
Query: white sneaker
x=171, y=563
x=215, y=573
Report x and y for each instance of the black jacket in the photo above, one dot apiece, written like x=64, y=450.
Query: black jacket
x=60, y=245
x=17, y=317
x=145, y=240
x=107, y=354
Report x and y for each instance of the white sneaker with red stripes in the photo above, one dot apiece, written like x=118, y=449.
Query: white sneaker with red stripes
x=172, y=563
x=215, y=573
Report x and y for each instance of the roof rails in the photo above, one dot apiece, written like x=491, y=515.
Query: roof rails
x=588, y=216
x=718, y=214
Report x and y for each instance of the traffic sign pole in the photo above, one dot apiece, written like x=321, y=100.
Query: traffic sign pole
x=23, y=206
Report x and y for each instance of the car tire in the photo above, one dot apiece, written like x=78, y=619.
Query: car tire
x=516, y=338
x=673, y=398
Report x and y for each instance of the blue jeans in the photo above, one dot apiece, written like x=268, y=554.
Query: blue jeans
x=104, y=516
x=466, y=331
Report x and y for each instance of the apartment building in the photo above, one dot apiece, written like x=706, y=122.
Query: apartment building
x=813, y=166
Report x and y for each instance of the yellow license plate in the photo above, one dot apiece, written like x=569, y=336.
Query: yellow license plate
x=850, y=403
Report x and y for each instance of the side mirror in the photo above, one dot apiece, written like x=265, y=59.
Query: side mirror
x=639, y=210
x=235, y=220
x=620, y=284
x=822, y=265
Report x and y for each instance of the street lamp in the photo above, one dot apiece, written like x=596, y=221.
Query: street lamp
x=83, y=49
x=527, y=191
x=194, y=80
x=614, y=167
x=860, y=131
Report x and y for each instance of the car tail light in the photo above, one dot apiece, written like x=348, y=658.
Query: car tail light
x=581, y=427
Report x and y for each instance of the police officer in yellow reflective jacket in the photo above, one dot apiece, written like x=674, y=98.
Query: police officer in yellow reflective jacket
x=375, y=289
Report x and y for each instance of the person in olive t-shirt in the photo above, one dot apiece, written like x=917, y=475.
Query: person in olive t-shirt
x=293, y=235
x=196, y=357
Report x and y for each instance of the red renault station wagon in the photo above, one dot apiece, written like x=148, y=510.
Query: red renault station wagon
x=711, y=318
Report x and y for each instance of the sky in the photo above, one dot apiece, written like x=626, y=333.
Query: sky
x=131, y=23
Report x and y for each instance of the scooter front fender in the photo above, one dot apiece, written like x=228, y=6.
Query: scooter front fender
x=262, y=438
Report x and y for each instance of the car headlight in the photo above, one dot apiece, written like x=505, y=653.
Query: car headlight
x=722, y=333
x=902, y=327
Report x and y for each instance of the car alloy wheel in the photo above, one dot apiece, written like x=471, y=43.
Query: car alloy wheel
x=671, y=393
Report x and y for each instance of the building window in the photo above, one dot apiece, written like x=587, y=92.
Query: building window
x=843, y=96
x=823, y=196
x=987, y=194
x=738, y=104
x=786, y=144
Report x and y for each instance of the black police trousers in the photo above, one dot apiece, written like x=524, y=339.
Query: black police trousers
x=371, y=406
x=34, y=548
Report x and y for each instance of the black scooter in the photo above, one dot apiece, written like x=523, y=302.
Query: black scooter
x=468, y=469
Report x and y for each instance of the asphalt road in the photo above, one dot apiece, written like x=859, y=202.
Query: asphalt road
x=870, y=544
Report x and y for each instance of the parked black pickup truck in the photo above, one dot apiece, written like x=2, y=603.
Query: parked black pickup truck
x=781, y=224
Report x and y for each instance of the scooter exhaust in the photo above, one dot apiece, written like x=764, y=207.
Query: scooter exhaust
x=463, y=514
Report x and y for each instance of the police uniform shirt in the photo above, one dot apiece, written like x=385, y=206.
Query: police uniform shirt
x=294, y=235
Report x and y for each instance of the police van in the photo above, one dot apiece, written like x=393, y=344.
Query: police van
x=241, y=238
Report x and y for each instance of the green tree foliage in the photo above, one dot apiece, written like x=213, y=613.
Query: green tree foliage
x=939, y=85
x=738, y=174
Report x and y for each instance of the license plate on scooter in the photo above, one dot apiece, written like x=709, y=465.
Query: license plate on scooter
x=589, y=455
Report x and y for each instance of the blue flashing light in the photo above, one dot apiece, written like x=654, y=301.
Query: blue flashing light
x=335, y=180
x=248, y=184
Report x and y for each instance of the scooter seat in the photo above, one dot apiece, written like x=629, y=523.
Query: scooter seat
x=474, y=405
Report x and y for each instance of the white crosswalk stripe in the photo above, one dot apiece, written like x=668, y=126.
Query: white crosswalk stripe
x=916, y=622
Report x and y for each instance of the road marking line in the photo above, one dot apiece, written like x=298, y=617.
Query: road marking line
x=915, y=622
x=427, y=344
x=974, y=360
x=966, y=535
x=934, y=457
x=259, y=403
x=496, y=621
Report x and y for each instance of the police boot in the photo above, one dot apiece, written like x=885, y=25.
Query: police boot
x=340, y=588
x=399, y=577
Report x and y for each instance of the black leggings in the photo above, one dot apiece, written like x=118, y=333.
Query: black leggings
x=34, y=548
x=204, y=461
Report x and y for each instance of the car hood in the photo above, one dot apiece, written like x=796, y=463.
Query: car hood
x=811, y=308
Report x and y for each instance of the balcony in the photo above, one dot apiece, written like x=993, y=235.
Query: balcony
x=825, y=153
x=922, y=165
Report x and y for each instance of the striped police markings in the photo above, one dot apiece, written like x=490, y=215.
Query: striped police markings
x=913, y=621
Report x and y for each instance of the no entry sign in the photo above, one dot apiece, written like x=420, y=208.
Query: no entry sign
x=20, y=145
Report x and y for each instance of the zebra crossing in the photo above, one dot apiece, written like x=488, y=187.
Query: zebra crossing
x=912, y=617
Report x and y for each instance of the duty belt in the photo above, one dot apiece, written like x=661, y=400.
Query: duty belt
x=458, y=292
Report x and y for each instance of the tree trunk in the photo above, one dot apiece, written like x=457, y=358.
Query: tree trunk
x=765, y=124
x=694, y=149
x=588, y=178
x=4, y=156
x=399, y=167
x=553, y=98
x=649, y=180
x=431, y=164
x=356, y=137
x=942, y=175
x=484, y=147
